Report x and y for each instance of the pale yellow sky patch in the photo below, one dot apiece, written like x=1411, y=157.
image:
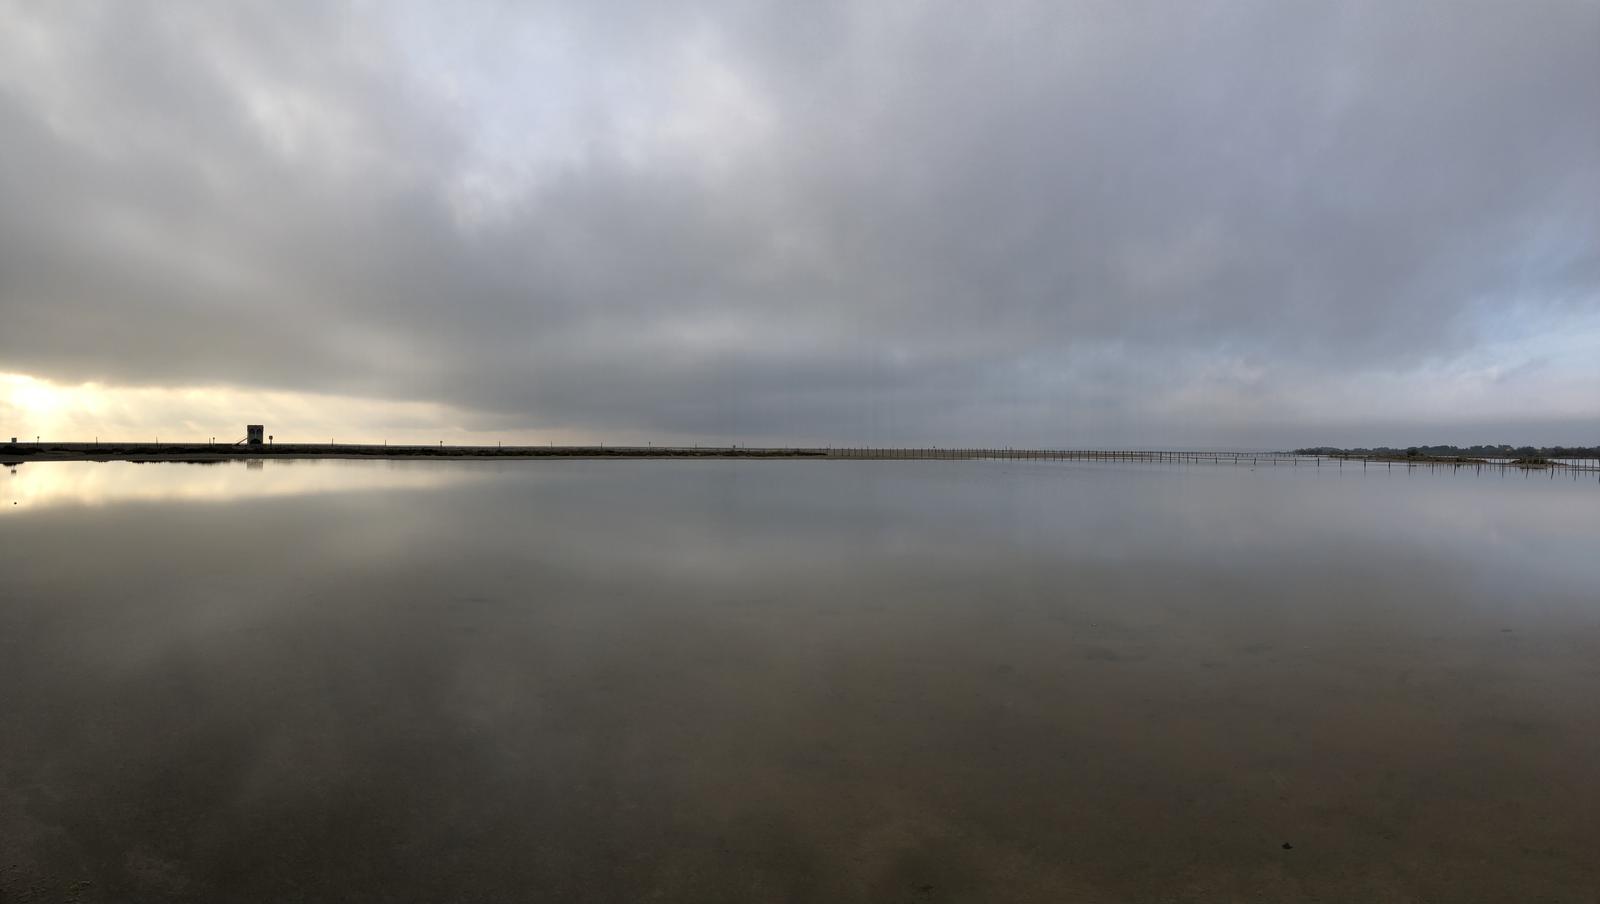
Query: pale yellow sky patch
x=83, y=412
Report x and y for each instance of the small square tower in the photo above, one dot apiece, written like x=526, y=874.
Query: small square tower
x=254, y=434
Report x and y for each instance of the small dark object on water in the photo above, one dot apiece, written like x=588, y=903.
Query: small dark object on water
x=1287, y=846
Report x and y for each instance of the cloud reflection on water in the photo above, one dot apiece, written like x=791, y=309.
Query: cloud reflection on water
x=45, y=484
x=1008, y=678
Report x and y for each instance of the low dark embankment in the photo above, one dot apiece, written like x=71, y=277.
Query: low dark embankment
x=209, y=452
x=203, y=452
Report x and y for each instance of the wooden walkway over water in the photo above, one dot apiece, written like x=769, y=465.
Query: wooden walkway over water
x=1257, y=458
x=1148, y=455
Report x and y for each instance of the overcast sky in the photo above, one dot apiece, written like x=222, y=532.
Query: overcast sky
x=1163, y=223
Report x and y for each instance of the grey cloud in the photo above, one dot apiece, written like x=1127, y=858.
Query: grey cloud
x=819, y=221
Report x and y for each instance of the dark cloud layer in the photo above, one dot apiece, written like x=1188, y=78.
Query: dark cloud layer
x=831, y=221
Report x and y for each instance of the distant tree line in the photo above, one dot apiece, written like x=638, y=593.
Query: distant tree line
x=1521, y=452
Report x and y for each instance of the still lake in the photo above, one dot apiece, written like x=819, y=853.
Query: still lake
x=831, y=681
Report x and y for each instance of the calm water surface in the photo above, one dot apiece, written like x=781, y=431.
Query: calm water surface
x=797, y=681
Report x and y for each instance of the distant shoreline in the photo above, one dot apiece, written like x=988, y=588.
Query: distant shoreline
x=204, y=453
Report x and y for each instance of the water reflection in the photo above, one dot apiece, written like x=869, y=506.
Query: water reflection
x=806, y=681
x=34, y=485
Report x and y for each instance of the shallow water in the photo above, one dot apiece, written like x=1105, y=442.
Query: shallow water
x=797, y=681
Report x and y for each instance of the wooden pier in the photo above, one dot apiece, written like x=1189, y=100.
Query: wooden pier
x=1250, y=458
